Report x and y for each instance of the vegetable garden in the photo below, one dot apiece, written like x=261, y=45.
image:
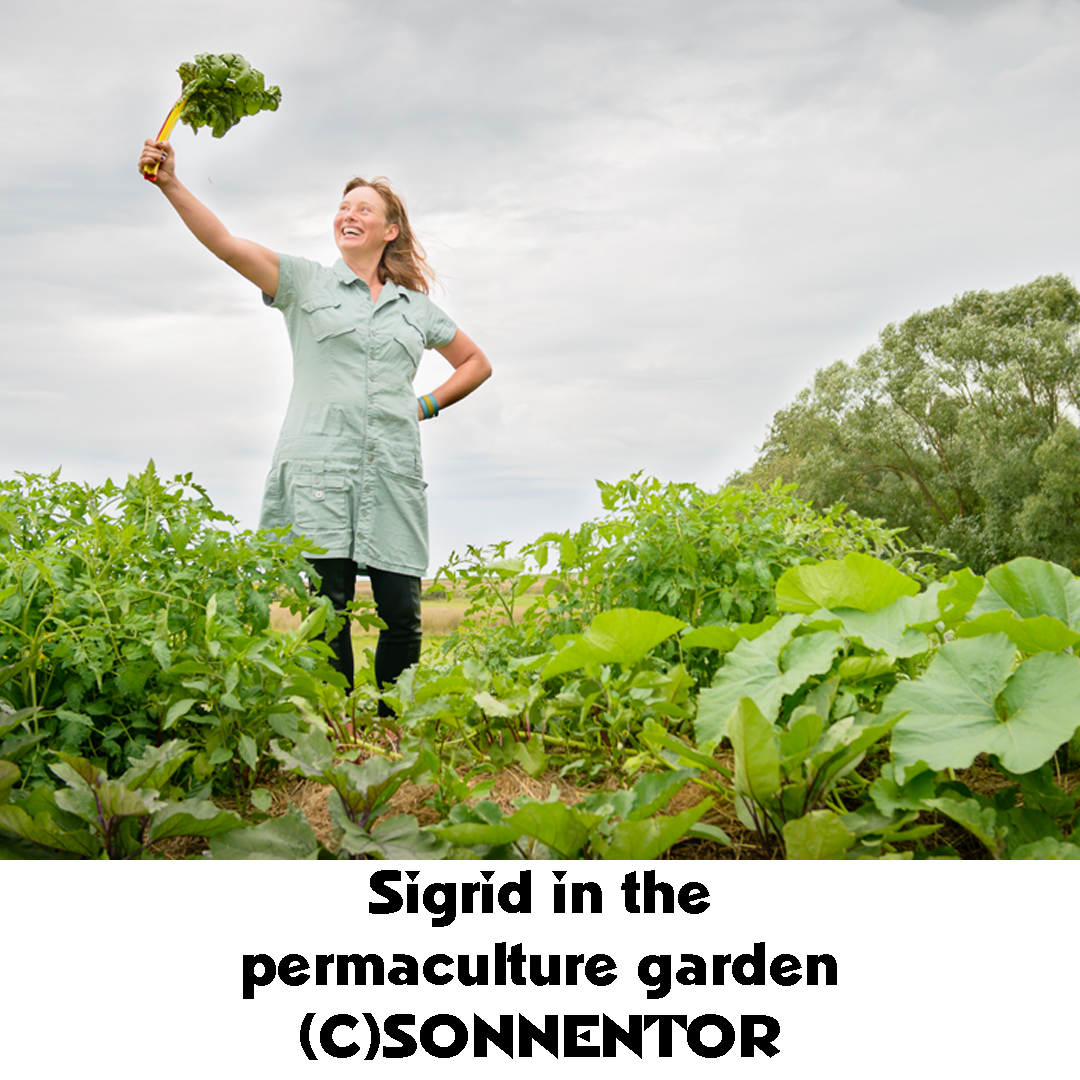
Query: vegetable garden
x=691, y=674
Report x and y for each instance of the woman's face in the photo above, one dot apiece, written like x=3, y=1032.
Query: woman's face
x=360, y=227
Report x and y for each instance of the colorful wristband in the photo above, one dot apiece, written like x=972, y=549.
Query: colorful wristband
x=428, y=405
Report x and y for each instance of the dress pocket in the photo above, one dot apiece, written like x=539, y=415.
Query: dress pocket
x=321, y=501
x=326, y=318
x=411, y=340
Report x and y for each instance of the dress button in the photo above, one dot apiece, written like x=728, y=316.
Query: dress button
x=318, y=494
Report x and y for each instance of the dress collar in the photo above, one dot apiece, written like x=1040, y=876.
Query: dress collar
x=346, y=275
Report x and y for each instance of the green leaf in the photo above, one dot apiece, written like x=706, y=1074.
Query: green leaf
x=817, y=835
x=961, y=590
x=562, y=828
x=862, y=668
x=654, y=791
x=651, y=837
x=721, y=638
x=967, y=703
x=162, y=653
x=248, y=751
x=757, y=752
x=890, y=792
x=531, y=756
x=191, y=817
x=1042, y=633
x=1047, y=848
x=9, y=777
x=981, y=821
x=859, y=581
x=154, y=767
x=220, y=755
x=765, y=670
x=176, y=710
x=42, y=829
x=69, y=716
x=396, y=838
x=619, y=636
x=701, y=831
x=890, y=629
x=491, y=706
x=658, y=739
x=287, y=837
x=9, y=721
x=1031, y=587
x=473, y=833
x=314, y=624
x=16, y=747
x=261, y=799
x=312, y=755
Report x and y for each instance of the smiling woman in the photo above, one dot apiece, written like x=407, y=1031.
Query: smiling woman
x=347, y=472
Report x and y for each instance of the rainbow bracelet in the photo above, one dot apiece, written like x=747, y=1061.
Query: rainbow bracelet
x=428, y=405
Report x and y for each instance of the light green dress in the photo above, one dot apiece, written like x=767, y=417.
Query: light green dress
x=347, y=473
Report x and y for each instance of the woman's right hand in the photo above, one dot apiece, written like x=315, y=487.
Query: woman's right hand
x=159, y=154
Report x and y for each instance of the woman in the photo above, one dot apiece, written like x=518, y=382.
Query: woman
x=346, y=473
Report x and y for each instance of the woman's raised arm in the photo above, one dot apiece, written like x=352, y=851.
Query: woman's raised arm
x=258, y=264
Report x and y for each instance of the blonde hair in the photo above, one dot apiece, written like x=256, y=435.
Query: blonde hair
x=403, y=261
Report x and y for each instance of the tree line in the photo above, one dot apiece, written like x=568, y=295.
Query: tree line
x=960, y=424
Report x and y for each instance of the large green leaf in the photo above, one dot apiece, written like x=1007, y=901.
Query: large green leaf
x=981, y=821
x=764, y=670
x=960, y=591
x=892, y=629
x=651, y=837
x=859, y=581
x=620, y=636
x=757, y=752
x=725, y=638
x=42, y=829
x=193, y=817
x=470, y=833
x=9, y=721
x=1031, y=587
x=398, y=837
x=9, y=777
x=967, y=703
x=312, y=754
x=1042, y=633
x=843, y=744
x=677, y=752
x=156, y=765
x=1047, y=848
x=721, y=638
x=287, y=837
x=890, y=792
x=655, y=790
x=817, y=835
x=562, y=828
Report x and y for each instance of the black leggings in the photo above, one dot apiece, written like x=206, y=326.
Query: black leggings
x=397, y=603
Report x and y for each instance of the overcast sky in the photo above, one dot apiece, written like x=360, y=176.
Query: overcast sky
x=657, y=218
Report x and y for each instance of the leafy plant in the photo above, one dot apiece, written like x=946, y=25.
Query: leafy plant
x=623, y=824
x=220, y=90
x=701, y=557
x=129, y=614
x=95, y=817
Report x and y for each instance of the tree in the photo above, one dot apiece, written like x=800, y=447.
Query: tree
x=958, y=425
